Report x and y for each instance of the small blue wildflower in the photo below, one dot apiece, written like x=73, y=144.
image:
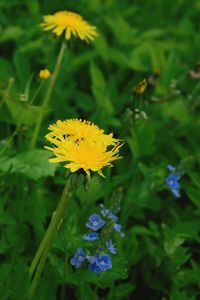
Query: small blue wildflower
x=104, y=262
x=92, y=236
x=94, y=268
x=117, y=227
x=107, y=213
x=113, y=217
x=78, y=259
x=173, y=181
x=95, y=222
x=111, y=247
x=171, y=168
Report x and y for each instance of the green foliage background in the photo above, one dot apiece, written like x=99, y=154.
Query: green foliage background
x=159, y=256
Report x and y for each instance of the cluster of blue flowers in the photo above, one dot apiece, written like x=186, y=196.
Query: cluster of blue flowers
x=173, y=181
x=101, y=226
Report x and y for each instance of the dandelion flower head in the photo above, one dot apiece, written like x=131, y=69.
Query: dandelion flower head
x=75, y=129
x=69, y=23
x=82, y=145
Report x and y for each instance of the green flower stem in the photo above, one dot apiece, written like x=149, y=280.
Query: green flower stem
x=37, y=92
x=53, y=226
x=47, y=96
x=38, y=272
x=39, y=260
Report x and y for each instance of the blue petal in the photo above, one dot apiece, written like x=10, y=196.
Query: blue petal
x=95, y=222
x=111, y=247
x=176, y=192
x=172, y=181
x=75, y=260
x=104, y=262
x=94, y=268
x=91, y=259
x=93, y=236
x=117, y=227
x=171, y=168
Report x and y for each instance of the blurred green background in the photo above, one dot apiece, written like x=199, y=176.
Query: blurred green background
x=158, y=259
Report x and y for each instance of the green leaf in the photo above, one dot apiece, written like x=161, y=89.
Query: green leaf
x=33, y=164
x=22, y=67
x=23, y=112
x=195, y=178
x=140, y=59
x=123, y=290
x=177, y=294
x=11, y=33
x=99, y=90
x=193, y=194
x=172, y=241
x=5, y=272
x=121, y=29
x=6, y=70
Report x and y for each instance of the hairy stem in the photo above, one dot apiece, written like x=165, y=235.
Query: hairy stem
x=47, y=96
x=41, y=255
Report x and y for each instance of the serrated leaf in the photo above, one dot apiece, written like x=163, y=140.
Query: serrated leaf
x=33, y=164
x=99, y=90
x=22, y=112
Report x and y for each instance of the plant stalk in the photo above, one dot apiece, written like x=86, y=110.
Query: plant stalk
x=41, y=255
x=47, y=96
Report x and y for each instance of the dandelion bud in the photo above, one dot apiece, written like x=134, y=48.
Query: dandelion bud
x=44, y=74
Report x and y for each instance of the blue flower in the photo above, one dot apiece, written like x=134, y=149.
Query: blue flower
x=92, y=236
x=113, y=217
x=173, y=181
x=111, y=247
x=103, y=261
x=95, y=222
x=171, y=168
x=78, y=259
x=94, y=268
x=117, y=227
x=107, y=213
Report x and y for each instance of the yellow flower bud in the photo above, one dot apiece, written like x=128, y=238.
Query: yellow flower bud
x=141, y=87
x=44, y=74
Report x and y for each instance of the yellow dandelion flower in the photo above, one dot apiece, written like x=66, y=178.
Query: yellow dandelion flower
x=83, y=145
x=84, y=154
x=75, y=129
x=69, y=23
x=44, y=74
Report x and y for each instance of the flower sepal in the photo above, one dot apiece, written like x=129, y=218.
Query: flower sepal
x=76, y=180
